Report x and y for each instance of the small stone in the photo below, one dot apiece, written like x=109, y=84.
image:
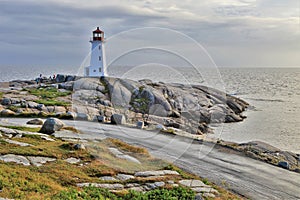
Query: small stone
x=79, y=147
x=160, y=127
x=32, y=104
x=83, y=116
x=37, y=121
x=8, y=135
x=140, y=124
x=155, y=185
x=129, y=185
x=170, y=182
x=284, y=164
x=47, y=138
x=101, y=118
x=198, y=196
x=19, y=135
x=6, y=101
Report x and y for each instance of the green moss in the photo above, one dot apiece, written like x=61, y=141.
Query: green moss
x=48, y=92
x=22, y=128
x=89, y=193
x=140, y=105
x=13, y=108
x=52, y=102
x=1, y=95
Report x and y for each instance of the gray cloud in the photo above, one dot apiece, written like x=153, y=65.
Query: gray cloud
x=57, y=32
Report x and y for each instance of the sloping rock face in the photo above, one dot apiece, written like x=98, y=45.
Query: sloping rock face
x=188, y=107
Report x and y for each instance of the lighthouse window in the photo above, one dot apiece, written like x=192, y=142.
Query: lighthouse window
x=100, y=69
x=99, y=47
x=99, y=58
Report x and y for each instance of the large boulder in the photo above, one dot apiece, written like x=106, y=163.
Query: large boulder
x=51, y=125
x=118, y=119
x=60, y=78
x=31, y=104
x=88, y=84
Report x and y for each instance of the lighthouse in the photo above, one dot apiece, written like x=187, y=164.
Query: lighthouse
x=98, y=61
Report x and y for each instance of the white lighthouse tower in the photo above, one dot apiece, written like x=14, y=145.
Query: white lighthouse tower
x=98, y=60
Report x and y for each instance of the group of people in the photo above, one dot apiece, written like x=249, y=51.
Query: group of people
x=40, y=78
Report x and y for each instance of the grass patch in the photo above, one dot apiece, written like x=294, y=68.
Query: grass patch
x=58, y=179
x=127, y=147
x=48, y=93
x=23, y=128
x=168, y=131
x=71, y=128
x=1, y=95
x=183, y=174
x=48, y=96
x=13, y=108
x=98, y=193
x=52, y=102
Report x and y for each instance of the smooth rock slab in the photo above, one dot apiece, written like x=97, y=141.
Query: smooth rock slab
x=121, y=155
x=156, y=173
x=47, y=138
x=205, y=190
x=15, y=158
x=129, y=158
x=156, y=185
x=108, y=178
x=192, y=183
x=22, y=144
x=115, y=186
x=39, y=160
x=137, y=189
x=124, y=177
x=72, y=160
x=208, y=195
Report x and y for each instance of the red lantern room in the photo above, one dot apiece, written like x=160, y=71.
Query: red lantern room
x=98, y=35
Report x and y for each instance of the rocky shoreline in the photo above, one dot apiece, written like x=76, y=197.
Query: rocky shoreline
x=171, y=108
x=186, y=107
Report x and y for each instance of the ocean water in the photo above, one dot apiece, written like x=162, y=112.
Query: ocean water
x=273, y=94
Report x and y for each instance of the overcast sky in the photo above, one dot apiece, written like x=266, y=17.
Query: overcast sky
x=238, y=33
